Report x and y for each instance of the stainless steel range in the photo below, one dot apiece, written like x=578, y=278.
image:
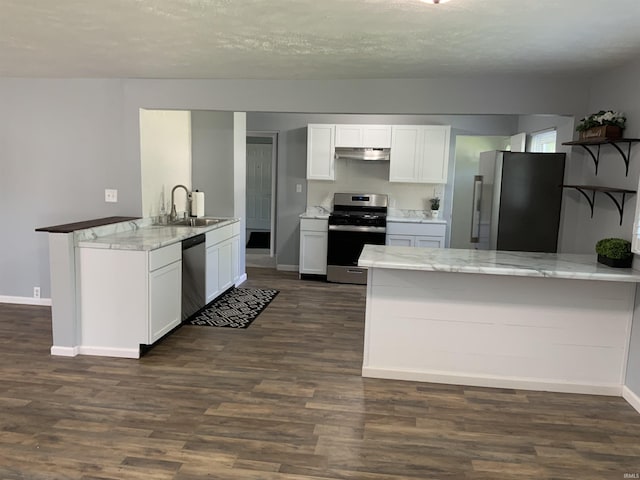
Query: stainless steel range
x=357, y=219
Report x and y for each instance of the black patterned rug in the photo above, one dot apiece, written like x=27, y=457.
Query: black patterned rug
x=235, y=309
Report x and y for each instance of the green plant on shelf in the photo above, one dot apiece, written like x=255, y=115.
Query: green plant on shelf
x=608, y=117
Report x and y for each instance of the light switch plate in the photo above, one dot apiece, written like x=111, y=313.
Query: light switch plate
x=298, y=188
x=110, y=195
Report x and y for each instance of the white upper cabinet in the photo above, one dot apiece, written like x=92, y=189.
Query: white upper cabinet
x=321, y=152
x=419, y=153
x=405, y=140
x=363, y=136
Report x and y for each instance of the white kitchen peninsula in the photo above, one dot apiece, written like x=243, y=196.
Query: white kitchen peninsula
x=123, y=282
x=556, y=322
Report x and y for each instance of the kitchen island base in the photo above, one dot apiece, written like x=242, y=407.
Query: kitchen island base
x=551, y=334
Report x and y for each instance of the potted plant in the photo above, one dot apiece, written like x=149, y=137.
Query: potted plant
x=604, y=124
x=614, y=252
x=435, y=206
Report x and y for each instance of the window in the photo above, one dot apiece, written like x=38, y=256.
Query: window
x=544, y=141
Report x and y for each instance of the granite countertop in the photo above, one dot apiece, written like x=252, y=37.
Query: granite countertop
x=491, y=262
x=412, y=216
x=394, y=215
x=401, y=219
x=143, y=236
x=317, y=212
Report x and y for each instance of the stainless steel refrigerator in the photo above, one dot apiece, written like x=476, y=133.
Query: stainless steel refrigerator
x=516, y=201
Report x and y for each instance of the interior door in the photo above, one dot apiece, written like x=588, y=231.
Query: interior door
x=259, y=186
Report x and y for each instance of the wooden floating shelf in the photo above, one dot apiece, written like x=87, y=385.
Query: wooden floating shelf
x=598, y=141
x=608, y=191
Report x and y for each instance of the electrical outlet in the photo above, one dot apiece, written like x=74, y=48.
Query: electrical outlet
x=298, y=188
x=36, y=292
x=110, y=195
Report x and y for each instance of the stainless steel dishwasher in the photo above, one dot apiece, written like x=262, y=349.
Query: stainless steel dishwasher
x=193, y=275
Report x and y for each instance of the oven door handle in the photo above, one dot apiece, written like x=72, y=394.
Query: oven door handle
x=356, y=228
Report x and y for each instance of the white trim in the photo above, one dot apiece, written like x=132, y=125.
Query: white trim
x=287, y=268
x=64, y=351
x=110, y=352
x=25, y=300
x=494, y=382
x=241, y=279
x=631, y=397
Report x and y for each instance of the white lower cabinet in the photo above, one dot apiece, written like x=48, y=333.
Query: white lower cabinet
x=212, y=284
x=129, y=298
x=313, y=246
x=431, y=241
x=165, y=285
x=223, y=260
x=225, y=265
x=416, y=234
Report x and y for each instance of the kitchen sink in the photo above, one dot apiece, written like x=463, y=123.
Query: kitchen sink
x=197, y=222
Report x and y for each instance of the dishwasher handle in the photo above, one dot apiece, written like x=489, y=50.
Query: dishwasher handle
x=193, y=241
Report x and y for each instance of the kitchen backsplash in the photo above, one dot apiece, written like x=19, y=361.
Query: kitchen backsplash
x=371, y=177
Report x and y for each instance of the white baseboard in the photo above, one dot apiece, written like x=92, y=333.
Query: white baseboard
x=26, y=300
x=64, y=351
x=631, y=397
x=241, y=280
x=494, y=382
x=287, y=268
x=110, y=352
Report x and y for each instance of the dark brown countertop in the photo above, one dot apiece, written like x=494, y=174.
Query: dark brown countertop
x=72, y=227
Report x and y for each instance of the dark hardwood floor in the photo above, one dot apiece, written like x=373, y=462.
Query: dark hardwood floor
x=284, y=400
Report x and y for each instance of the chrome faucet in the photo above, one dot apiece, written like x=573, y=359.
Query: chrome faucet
x=174, y=215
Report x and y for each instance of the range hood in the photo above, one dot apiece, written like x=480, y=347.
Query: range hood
x=369, y=154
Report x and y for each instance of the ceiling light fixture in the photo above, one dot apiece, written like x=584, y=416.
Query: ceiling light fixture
x=435, y=2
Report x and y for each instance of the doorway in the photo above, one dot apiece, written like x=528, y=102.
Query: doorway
x=260, y=198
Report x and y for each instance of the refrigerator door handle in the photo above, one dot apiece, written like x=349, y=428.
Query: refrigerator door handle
x=475, y=212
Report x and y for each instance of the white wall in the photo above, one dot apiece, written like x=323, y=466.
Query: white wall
x=617, y=90
x=66, y=140
x=240, y=180
x=165, y=155
x=373, y=177
x=212, y=160
x=61, y=145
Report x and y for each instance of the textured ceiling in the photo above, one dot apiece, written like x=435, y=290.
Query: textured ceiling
x=314, y=39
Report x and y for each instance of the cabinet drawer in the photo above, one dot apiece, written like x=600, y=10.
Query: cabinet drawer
x=314, y=225
x=430, y=229
x=164, y=256
x=220, y=234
